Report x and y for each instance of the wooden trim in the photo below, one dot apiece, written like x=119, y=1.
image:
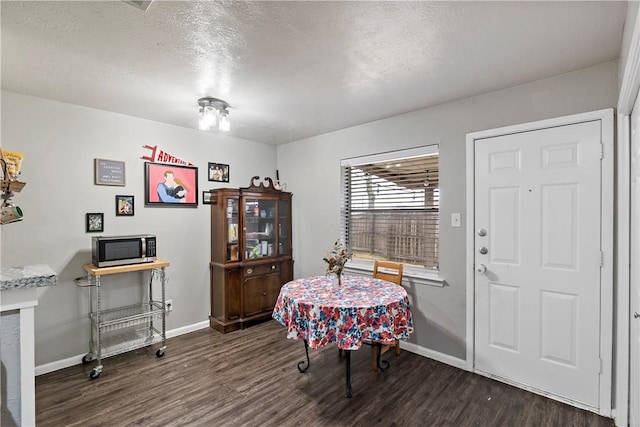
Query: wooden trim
x=261, y=187
x=103, y=271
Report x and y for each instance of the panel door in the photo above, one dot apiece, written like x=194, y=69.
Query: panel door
x=252, y=291
x=259, y=228
x=232, y=223
x=284, y=228
x=537, y=305
x=272, y=287
x=260, y=293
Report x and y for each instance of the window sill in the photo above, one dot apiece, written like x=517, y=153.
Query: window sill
x=411, y=275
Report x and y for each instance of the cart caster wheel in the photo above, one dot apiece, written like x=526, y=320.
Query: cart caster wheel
x=160, y=353
x=86, y=359
x=94, y=374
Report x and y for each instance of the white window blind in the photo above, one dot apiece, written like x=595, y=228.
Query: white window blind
x=390, y=206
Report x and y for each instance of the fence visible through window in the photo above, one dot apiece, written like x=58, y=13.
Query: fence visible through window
x=391, y=208
x=406, y=237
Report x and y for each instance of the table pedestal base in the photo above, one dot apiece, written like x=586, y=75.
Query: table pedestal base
x=303, y=368
x=300, y=364
x=383, y=365
x=348, y=354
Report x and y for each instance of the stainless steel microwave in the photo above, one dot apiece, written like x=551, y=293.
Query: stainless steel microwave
x=123, y=250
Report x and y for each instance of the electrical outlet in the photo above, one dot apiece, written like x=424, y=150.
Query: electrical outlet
x=168, y=305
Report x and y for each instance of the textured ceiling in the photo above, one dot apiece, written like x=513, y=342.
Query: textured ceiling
x=291, y=70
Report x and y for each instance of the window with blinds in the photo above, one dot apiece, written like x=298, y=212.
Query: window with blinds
x=390, y=206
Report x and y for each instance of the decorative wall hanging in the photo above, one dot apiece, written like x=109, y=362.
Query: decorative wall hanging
x=161, y=156
x=124, y=205
x=95, y=222
x=170, y=185
x=218, y=172
x=206, y=198
x=10, y=164
x=109, y=172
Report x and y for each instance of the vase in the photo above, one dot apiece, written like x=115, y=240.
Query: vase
x=339, y=278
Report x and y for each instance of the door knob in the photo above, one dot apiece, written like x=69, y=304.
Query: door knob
x=482, y=232
x=483, y=250
x=636, y=315
x=481, y=268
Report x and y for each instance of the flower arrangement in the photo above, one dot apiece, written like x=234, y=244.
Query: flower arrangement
x=337, y=257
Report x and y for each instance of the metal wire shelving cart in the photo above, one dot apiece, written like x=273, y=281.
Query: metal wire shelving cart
x=122, y=329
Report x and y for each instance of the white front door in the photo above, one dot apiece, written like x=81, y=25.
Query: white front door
x=634, y=275
x=538, y=233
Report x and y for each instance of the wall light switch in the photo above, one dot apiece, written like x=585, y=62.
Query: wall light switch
x=456, y=219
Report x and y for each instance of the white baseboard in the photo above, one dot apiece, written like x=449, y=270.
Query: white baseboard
x=77, y=360
x=186, y=329
x=413, y=348
x=435, y=355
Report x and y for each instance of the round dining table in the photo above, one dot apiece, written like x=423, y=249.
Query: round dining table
x=360, y=310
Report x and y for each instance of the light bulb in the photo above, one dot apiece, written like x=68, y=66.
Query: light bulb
x=210, y=116
x=202, y=123
x=225, y=126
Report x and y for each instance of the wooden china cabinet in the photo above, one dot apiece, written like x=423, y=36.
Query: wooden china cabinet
x=251, y=255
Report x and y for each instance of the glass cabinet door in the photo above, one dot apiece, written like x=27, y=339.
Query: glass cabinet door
x=260, y=224
x=283, y=228
x=232, y=216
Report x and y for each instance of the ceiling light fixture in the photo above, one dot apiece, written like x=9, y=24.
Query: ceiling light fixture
x=209, y=110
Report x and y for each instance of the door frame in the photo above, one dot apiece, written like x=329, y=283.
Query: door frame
x=606, y=239
x=629, y=86
x=623, y=269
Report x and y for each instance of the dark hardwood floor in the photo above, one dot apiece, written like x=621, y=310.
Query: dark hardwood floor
x=249, y=378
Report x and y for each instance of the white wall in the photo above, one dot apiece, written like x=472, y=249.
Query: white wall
x=439, y=313
x=60, y=142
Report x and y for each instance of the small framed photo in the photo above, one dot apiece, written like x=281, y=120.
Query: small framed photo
x=109, y=172
x=218, y=172
x=95, y=222
x=170, y=185
x=206, y=198
x=124, y=205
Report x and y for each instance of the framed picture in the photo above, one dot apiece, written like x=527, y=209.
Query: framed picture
x=95, y=222
x=218, y=172
x=124, y=205
x=206, y=198
x=109, y=172
x=170, y=185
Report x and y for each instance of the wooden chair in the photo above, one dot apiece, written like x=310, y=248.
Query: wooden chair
x=391, y=272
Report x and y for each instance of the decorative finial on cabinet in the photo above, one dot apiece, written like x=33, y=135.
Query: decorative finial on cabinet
x=267, y=184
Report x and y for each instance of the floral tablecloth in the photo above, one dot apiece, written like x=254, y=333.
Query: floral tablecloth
x=362, y=308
